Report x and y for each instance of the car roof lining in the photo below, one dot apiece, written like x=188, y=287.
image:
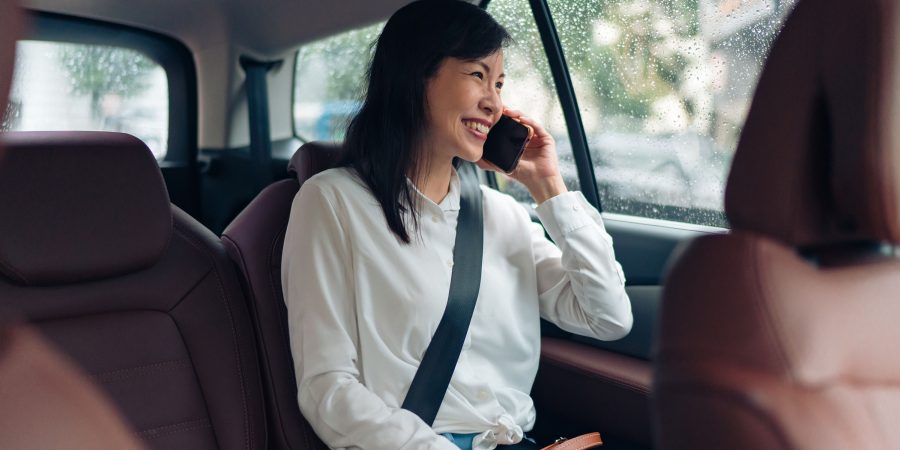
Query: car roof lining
x=259, y=27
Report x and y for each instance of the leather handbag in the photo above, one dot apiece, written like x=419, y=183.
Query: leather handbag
x=589, y=440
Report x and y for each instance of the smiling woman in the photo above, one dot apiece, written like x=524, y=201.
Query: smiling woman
x=370, y=253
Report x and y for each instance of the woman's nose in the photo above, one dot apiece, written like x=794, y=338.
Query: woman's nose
x=491, y=103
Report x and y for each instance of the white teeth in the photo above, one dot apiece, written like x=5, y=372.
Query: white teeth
x=477, y=126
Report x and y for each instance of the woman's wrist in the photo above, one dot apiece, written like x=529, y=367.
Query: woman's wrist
x=545, y=189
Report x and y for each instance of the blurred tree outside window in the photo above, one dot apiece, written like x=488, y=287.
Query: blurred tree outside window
x=664, y=87
x=329, y=83
x=62, y=86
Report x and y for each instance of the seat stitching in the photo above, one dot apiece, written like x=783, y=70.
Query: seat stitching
x=154, y=433
x=223, y=297
x=137, y=371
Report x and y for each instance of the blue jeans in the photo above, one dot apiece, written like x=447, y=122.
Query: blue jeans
x=464, y=441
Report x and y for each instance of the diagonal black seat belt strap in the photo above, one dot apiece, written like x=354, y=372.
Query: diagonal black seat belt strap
x=426, y=393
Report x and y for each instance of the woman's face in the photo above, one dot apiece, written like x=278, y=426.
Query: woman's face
x=463, y=102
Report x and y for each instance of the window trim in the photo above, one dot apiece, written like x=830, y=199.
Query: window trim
x=172, y=55
x=565, y=90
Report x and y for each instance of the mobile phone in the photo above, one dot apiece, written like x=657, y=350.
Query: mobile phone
x=506, y=142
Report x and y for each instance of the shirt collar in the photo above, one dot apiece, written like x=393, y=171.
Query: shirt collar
x=450, y=201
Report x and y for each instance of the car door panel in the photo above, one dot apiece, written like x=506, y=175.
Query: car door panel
x=581, y=388
x=585, y=384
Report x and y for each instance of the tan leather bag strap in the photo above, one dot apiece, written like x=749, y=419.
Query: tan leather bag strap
x=589, y=440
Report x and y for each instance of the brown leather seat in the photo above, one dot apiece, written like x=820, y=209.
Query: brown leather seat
x=44, y=401
x=138, y=294
x=254, y=241
x=780, y=335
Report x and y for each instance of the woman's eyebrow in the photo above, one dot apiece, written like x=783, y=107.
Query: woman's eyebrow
x=484, y=66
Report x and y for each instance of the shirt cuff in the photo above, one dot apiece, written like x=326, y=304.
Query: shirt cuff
x=565, y=213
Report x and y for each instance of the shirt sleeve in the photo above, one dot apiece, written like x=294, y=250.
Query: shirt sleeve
x=318, y=292
x=581, y=285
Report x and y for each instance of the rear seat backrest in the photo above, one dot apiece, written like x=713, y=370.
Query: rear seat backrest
x=38, y=385
x=254, y=241
x=140, y=295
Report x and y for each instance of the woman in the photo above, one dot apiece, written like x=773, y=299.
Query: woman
x=369, y=250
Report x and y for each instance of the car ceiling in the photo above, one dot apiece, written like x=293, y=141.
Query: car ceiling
x=262, y=27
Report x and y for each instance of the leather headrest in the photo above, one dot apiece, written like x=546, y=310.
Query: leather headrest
x=10, y=29
x=79, y=206
x=818, y=159
x=314, y=157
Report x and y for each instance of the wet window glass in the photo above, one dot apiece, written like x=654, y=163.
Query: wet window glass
x=61, y=86
x=664, y=87
x=529, y=88
x=329, y=82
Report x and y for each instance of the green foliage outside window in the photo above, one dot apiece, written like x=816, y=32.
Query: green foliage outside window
x=98, y=71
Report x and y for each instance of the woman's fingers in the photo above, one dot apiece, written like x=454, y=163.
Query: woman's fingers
x=522, y=118
x=539, y=131
x=514, y=113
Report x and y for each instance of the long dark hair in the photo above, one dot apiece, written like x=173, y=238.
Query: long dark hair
x=383, y=140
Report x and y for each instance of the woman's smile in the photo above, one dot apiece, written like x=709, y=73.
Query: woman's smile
x=478, y=128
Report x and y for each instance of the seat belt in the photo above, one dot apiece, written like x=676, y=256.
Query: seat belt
x=258, y=115
x=426, y=393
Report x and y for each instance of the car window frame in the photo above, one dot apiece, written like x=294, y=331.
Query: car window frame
x=172, y=56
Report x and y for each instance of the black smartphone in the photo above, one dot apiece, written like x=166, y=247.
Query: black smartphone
x=506, y=142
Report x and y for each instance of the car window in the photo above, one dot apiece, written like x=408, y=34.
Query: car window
x=664, y=88
x=328, y=83
x=63, y=86
x=529, y=87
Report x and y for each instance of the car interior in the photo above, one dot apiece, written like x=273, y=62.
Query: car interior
x=140, y=242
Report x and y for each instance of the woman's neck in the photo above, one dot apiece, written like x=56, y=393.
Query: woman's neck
x=434, y=183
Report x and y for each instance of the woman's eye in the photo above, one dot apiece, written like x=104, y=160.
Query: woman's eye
x=478, y=75
x=499, y=85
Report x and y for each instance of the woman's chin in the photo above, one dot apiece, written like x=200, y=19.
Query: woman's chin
x=473, y=155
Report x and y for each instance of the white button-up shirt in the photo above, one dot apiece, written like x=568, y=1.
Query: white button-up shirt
x=362, y=308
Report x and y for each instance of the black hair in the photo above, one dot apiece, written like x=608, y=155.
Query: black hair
x=383, y=140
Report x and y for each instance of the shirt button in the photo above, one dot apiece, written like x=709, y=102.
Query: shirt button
x=483, y=395
x=576, y=207
x=435, y=219
x=450, y=263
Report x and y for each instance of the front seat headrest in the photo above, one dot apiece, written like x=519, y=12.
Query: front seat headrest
x=818, y=161
x=79, y=206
